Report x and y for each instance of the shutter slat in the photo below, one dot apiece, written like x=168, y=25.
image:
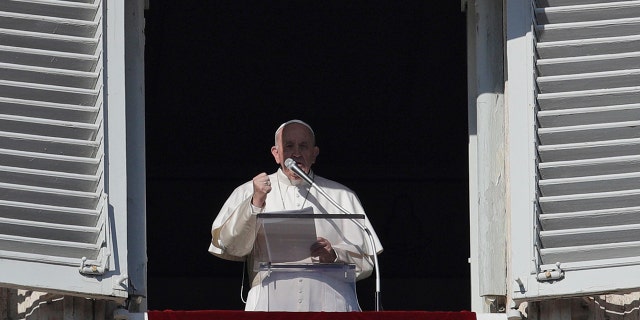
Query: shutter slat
x=596, y=254
x=558, y=3
x=588, y=30
x=41, y=41
x=50, y=93
x=48, y=58
x=589, y=150
x=50, y=196
x=590, y=132
x=585, y=116
x=590, y=236
x=53, y=8
x=54, y=248
x=57, y=77
x=40, y=161
x=589, y=167
x=591, y=218
x=590, y=201
x=589, y=81
x=51, y=145
x=588, y=64
x=54, y=128
x=59, y=232
x=41, y=258
x=49, y=110
x=586, y=47
x=590, y=184
x=588, y=98
x=50, y=179
x=49, y=213
x=584, y=11
x=47, y=25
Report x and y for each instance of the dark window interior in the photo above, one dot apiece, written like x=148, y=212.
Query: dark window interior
x=383, y=83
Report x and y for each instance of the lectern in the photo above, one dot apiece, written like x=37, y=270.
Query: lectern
x=290, y=279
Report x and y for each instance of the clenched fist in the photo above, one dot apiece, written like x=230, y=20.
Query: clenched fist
x=261, y=186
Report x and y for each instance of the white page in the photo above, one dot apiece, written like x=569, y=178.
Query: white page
x=289, y=235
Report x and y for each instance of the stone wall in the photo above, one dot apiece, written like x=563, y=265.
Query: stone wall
x=602, y=307
x=32, y=305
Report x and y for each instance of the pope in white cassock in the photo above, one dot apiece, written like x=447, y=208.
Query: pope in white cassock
x=340, y=242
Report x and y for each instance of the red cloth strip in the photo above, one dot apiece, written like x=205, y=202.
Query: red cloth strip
x=366, y=315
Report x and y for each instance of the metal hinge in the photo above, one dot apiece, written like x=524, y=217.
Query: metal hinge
x=551, y=274
x=94, y=267
x=100, y=265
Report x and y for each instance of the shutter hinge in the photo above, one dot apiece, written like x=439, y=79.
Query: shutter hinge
x=100, y=265
x=94, y=267
x=551, y=274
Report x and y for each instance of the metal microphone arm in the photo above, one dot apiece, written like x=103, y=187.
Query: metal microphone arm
x=291, y=164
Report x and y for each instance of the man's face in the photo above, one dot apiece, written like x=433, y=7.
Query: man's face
x=296, y=142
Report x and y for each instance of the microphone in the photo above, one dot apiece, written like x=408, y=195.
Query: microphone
x=293, y=166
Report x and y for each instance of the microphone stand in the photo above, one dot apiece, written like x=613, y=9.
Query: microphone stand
x=291, y=164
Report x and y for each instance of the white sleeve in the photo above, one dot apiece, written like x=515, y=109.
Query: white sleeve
x=233, y=230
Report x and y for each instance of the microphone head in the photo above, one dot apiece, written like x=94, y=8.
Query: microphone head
x=289, y=163
x=293, y=166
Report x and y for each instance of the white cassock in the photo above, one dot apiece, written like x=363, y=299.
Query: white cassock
x=234, y=231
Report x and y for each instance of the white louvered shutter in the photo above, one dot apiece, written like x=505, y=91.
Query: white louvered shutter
x=586, y=84
x=55, y=219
